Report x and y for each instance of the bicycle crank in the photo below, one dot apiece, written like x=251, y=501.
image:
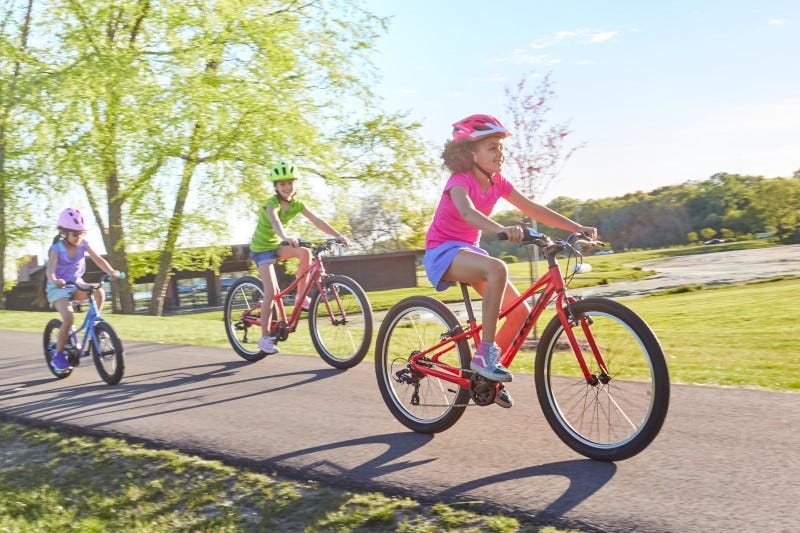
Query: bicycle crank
x=481, y=390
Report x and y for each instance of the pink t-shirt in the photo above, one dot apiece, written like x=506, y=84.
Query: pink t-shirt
x=447, y=223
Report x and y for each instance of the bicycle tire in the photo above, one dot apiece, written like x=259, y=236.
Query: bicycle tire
x=50, y=337
x=414, y=324
x=108, y=361
x=608, y=421
x=343, y=340
x=245, y=294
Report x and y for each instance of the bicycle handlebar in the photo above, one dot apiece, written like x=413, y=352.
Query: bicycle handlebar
x=308, y=244
x=107, y=277
x=532, y=236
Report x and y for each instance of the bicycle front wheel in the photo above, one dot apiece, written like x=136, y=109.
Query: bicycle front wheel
x=614, y=415
x=50, y=337
x=108, y=359
x=423, y=403
x=244, y=299
x=340, y=322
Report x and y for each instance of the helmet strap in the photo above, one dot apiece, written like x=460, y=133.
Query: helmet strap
x=485, y=173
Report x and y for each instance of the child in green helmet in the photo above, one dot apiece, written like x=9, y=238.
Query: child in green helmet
x=266, y=245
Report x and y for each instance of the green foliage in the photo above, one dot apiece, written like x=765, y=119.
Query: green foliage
x=729, y=205
x=707, y=233
x=185, y=259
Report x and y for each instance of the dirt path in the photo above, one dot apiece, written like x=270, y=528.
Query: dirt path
x=720, y=268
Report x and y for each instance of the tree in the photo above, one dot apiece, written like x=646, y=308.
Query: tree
x=169, y=115
x=16, y=125
x=536, y=150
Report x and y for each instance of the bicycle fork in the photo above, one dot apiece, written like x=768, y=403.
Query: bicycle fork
x=569, y=320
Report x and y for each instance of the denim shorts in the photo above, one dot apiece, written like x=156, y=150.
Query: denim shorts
x=437, y=261
x=268, y=257
x=54, y=294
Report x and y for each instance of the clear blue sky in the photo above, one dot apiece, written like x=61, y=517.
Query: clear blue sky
x=660, y=92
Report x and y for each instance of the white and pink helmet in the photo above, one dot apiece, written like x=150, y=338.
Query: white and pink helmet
x=71, y=218
x=474, y=127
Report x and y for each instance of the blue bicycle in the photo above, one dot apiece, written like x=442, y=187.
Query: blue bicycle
x=99, y=340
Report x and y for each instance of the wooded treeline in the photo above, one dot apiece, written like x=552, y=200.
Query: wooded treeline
x=727, y=206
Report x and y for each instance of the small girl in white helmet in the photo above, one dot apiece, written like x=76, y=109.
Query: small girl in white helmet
x=266, y=247
x=67, y=263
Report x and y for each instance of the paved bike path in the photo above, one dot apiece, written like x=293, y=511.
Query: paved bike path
x=726, y=458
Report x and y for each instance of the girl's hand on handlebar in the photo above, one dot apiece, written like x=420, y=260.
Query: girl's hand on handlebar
x=589, y=231
x=294, y=243
x=513, y=233
x=343, y=239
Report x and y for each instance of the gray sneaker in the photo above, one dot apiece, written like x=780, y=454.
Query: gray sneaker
x=267, y=345
x=484, y=363
x=504, y=399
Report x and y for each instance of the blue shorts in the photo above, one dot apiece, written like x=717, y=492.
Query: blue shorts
x=437, y=261
x=270, y=257
x=54, y=294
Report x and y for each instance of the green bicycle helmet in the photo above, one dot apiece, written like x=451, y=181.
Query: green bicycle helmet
x=282, y=171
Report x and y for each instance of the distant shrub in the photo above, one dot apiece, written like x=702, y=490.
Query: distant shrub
x=508, y=258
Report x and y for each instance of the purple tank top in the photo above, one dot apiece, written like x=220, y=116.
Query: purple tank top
x=70, y=268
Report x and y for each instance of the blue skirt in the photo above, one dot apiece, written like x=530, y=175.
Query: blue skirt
x=437, y=261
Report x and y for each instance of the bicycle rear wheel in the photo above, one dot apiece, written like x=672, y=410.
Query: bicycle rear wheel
x=342, y=336
x=108, y=360
x=244, y=297
x=50, y=337
x=618, y=415
x=423, y=403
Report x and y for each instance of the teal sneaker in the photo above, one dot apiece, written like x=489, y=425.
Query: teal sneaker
x=484, y=363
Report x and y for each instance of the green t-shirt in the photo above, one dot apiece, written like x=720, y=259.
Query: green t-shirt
x=265, y=238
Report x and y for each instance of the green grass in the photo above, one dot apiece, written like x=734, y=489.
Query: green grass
x=52, y=481
x=741, y=335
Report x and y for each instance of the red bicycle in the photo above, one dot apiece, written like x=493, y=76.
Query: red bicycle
x=600, y=373
x=339, y=315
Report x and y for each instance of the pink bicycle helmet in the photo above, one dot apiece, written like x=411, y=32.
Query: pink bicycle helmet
x=474, y=127
x=71, y=218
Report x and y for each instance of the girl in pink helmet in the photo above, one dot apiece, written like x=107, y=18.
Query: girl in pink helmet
x=475, y=156
x=67, y=262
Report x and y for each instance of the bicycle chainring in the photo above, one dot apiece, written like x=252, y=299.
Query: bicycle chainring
x=279, y=331
x=481, y=390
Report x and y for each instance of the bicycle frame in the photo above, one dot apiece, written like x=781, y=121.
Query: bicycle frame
x=553, y=287
x=87, y=327
x=315, y=272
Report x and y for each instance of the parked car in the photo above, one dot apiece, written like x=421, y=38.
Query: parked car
x=714, y=241
x=604, y=252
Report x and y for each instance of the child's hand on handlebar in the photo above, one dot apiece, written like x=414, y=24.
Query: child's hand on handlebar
x=589, y=231
x=343, y=239
x=513, y=233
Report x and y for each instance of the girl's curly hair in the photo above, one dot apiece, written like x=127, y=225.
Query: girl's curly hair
x=458, y=156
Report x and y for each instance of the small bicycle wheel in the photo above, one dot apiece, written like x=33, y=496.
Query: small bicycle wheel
x=423, y=403
x=244, y=299
x=340, y=322
x=614, y=416
x=50, y=337
x=108, y=359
